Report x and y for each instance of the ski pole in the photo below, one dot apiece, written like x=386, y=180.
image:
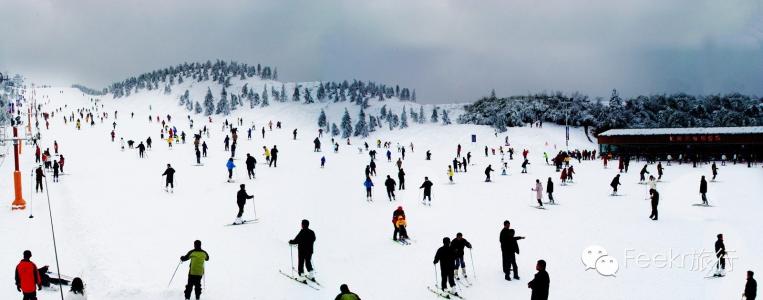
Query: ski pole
x=31, y=198
x=471, y=257
x=173, y=273
x=254, y=207
x=291, y=256
x=435, y=275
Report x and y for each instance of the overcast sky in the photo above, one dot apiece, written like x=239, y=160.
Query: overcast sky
x=450, y=51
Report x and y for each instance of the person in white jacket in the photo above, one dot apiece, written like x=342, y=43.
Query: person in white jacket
x=538, y=191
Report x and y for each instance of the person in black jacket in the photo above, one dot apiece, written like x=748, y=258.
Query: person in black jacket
x=720, y=253
x=390, y=184
x=198, y=156
x=509, y=249
x=427, y=186
x=703, y=189
x=251, y=162
x=241, y=197
x=487, y=173
x=273, y=157
x=641, y=174
x=550, y=190
x=447, y=258
x=304, y=241
x=715, y=171
x=655, y=197
x=401, y=179
x=615, y=182
x=458, y=245
x=38, y=175
x=170, y=180
x=540, y=283
x=751, y=287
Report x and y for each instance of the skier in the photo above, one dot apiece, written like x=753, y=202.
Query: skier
x=458, y=245
x=550, y=191
x=540, y=282
x=204, y=148
x=655, y=197
x=703, y=189
x=429, y=155
x=226, y=142
x=368, y=184
x=198, y=156
x=345, y=294
x=198, y=257
x=61, y=162
x=241, y=197
x=463, y=163
x=427, y=186
x=317, y=145
x=715, y=171
x=55, y=171
x=450, y=174
x=398, y=213
x=563, y=176
x=751, y=287
x=401, y=179
x=372, y=166
x=390, y=184
x=294, y=133
x=524, y=165
x=652, y=183
x=615, y=182
x=28, y=277
x=230, y=165
x=659, y=171
x=487, y=173
x=509, y=250
x=170, y=180
x=38, y=175
x=274, y=157
x=141, y=150
x=389, y=155
x=720, y=253
x=641, y=174
x=251, y=162
x=538, y=192
x=323, y=161
x=401, y=226
x=148, y=142
x=233, y=150
x=570, y=172
x=304, y=241
x=446, y=257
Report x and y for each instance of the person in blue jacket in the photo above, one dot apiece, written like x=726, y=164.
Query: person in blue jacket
x=230, y=167
x=368, y=184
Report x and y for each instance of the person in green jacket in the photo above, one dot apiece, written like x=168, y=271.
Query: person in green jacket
x=346, y=294
x=197, y=256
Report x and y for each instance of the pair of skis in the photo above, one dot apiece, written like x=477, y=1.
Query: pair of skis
x=444, y=294
x=244, y=222
x=311, y=283
x=404, y=242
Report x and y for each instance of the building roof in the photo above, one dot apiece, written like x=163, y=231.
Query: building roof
x=676, y=131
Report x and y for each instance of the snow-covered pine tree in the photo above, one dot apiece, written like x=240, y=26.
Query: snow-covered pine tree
x=361, y=128
x=445, y=117
x=308, y=97
x=264, y=95
x=403, y=119
x=383, y=111
x=265, y=101
x=223, y=106
x=414, y=116
x=413, y=96
x=282, y=94
x=198, y=108
x=275, y=73
x=209, y=103
x=422, y=117
x=346, y=124
x=434, y=118
x=167, y=89
x=234, y=102
x=322, y=119
x=334, y=129
x=295, y=95
x=245, y=91
x=372, y=123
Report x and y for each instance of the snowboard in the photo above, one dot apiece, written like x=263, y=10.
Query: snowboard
x=309, y=283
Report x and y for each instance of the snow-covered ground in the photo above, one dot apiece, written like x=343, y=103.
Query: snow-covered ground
x=122, y=233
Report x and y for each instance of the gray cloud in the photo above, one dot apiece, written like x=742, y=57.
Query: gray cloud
x=448, y=50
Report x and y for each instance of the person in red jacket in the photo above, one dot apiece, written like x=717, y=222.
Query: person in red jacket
x=27, y=277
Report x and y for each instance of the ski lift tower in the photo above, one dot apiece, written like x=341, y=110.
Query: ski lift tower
x=18, y=201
